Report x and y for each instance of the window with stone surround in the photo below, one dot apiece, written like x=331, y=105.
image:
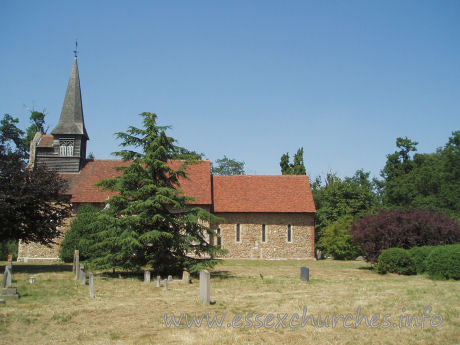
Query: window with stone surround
x=289, y=233
x=219, y=240
x=238, y=233
x=264, y=238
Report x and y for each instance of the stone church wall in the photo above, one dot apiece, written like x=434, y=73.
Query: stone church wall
x=33, y=251
x=276, y=245
x=250, y=246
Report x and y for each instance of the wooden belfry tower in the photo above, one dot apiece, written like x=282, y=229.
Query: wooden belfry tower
x=65, y=149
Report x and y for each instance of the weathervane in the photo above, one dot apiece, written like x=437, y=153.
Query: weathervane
x=76, y=46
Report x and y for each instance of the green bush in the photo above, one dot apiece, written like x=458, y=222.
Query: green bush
x=395, y=260
x=77, y=236
x=444, y=262
x=337, y=242
x=419, y=255
x=9, y=247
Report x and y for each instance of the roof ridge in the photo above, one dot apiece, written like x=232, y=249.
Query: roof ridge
x=267, y=175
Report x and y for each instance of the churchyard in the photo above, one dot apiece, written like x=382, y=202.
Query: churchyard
x=57, y=309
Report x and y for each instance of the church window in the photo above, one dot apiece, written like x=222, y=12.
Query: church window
x=66, y=147
x=264, y=239
x=289, y=233
x=238, y=234
x=219, y=240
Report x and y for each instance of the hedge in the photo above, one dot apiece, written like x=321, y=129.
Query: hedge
x=419, y=255
x=444, y=262
x=396, y=260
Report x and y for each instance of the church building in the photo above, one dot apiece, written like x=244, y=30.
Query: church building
x=265, y=216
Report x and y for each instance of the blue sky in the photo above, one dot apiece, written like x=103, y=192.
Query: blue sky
x=247, y=79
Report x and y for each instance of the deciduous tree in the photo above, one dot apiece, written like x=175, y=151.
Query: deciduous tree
x=336, y=198
x=37, y=120
x=228, y=166
x=32, y=201
x=430, y=180
x=295, y=168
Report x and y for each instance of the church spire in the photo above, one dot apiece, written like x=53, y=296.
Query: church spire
x=72, y=120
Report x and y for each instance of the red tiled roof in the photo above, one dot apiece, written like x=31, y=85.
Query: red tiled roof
x=262, y=193
x=46, y=141
x=82, y=185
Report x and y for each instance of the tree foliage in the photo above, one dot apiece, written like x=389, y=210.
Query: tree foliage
x=227, y=166
x=32, y=201
x=79, y=236
x=37, y=120
x=297, y=167
x=430, y=181
x=337, y=241
x=335, y=198
x=148, y=223
x=403, y=229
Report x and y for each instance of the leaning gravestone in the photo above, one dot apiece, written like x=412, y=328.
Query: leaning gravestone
x=147, y=276
x=7, y=290
x=304, y=273
x=205, y=287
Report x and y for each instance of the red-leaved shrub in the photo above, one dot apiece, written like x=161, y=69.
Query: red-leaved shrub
x=403, y=229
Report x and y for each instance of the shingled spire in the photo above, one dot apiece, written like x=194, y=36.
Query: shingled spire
x=65, y=149
x=72, y=120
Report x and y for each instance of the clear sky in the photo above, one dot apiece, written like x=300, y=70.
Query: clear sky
x=247, y=79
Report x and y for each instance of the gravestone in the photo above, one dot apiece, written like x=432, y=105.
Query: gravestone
x=304, y=273
x=7, y=290
x=76, y=262
x=165, y=282
x=170, y=278
x=320, y=255
x=185, y=277
x=91, y=285
x=158, y=281
x=31, y=280
x=9, y=276
x=205, y=287
x=76, y=259
x=82, y=275
x=147, y=276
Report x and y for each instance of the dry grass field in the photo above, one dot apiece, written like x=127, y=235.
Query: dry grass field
x=58, y=310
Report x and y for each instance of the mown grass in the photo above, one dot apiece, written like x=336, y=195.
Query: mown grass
x=57, y=309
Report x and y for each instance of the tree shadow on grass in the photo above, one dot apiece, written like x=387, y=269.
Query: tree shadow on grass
x=39, y=268
x=222, y=274
x=369, y=268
